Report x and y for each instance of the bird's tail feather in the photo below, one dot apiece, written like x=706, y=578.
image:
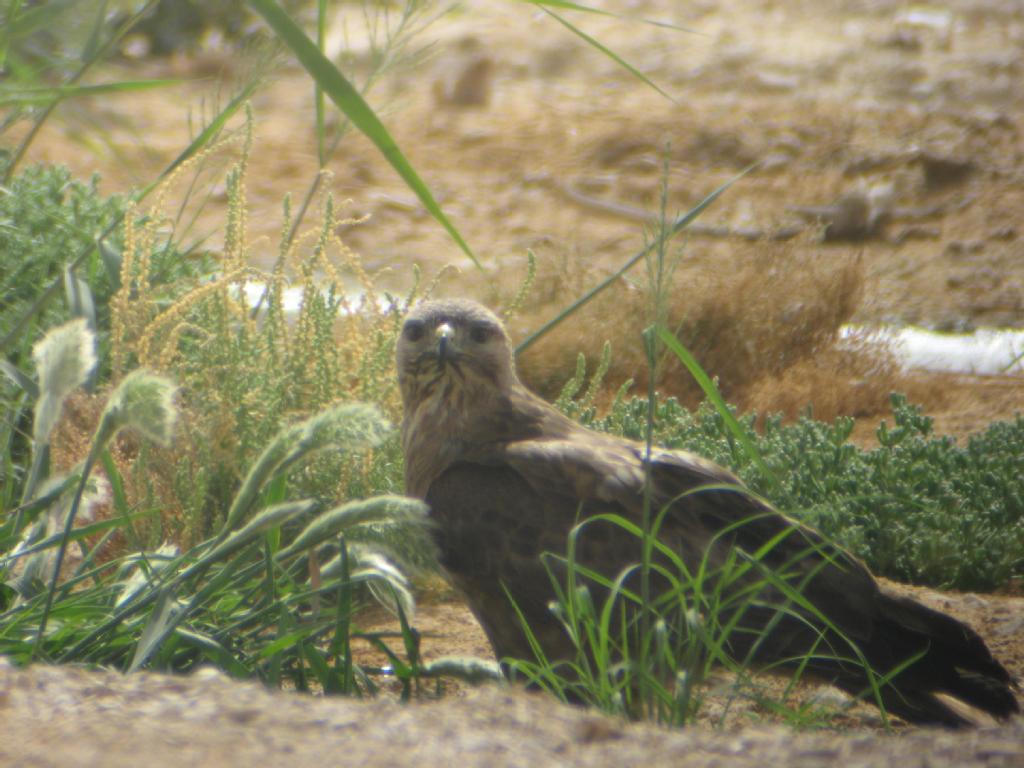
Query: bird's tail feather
x=954, y=660
x=919, y=655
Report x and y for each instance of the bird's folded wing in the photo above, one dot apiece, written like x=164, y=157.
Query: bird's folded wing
x=598, y=468
x=705, y=502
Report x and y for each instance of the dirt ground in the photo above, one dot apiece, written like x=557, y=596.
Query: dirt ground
x=902, y=121
x=448, y=629
x=59, y=716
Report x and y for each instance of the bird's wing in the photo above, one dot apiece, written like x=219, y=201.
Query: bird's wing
x=707, y=513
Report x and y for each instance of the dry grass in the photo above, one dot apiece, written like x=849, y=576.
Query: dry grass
x=767, y=327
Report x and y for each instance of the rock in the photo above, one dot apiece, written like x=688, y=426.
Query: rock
x=940, y=171
x=467, y=83
x=964, y=247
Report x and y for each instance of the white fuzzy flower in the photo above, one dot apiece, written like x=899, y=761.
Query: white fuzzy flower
x=144, y=402
x=64, y=358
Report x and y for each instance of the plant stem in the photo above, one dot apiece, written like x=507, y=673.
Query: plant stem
x=94, y=453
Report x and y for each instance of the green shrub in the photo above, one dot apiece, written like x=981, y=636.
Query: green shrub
x=918, y=508
x=48, y=222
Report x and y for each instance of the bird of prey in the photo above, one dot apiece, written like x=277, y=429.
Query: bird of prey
x=507, y=477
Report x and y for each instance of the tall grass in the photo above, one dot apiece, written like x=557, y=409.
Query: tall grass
x=239, y=598
x=669, y=666
x=248, y=364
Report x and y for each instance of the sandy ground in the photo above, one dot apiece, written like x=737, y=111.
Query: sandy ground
x=904, y=119
x=67, y=716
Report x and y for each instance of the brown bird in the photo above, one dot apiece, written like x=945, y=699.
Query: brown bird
x=507, y=477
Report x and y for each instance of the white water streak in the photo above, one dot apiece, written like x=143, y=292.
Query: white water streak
x=986, y=351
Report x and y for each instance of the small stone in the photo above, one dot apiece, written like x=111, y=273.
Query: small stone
x=964, y=247
x=917, y=232
x=469, y=85
x=598, y=729
x=829, y=697
x=775, y=83
x=940, y=171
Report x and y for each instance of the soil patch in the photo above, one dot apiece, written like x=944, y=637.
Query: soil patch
x=57, y=716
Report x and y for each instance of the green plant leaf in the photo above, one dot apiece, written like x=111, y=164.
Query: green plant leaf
x=567, y=6
x=20, y=379
x=25, y=22
x=79, y=298
x=34, y=95
x=164, y=617
x=606, y=51
x=82, y=532
x=712, y=393
x=285, y=642
x=205, y=136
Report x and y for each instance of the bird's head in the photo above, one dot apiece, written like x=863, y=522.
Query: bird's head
x=453, y=346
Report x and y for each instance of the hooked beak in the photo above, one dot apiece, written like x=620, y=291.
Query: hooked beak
x=444, y=334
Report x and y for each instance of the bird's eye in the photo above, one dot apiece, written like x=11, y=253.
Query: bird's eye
x=413, y=330
x=480, y=333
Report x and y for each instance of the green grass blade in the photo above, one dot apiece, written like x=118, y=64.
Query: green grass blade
x=205, y=136
x=567, y=6
x=678, y=226
x=607, y=52
x=318, y=95
x=165, y=617
x=19, y=378
x=23, y=23
x=95, y=39
x=82, y=532
x=43, y=95
x=97, y=54
x=13, y=12
x=218, y=655
x=348, y=100
x=711, y=392
x=17, y=516
x=285, y=642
